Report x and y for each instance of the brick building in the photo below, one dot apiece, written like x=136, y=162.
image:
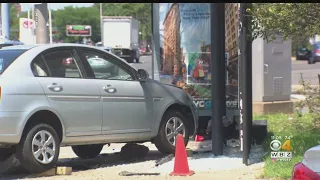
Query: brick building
x=171, y=47
x=231, y=22
x=231, y=29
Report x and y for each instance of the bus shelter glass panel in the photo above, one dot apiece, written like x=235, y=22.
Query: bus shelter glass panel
x=183, y=57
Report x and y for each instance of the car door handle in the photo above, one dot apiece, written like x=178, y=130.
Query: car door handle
x=109, y=89
x=55, y=87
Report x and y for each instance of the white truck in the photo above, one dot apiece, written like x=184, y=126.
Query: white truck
x=121, y=34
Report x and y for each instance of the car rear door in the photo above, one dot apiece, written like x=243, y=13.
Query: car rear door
x=127, y=103
x=75, y=98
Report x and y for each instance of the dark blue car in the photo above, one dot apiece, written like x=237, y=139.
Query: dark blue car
x=315, y=53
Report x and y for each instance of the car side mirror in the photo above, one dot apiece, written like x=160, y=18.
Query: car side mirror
x=142, y=75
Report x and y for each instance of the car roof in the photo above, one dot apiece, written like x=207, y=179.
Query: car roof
x=42, y=47
x=47, y=46
x=23, y=47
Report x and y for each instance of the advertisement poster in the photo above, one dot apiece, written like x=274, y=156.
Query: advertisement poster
x=78, y=30
x=185, y=58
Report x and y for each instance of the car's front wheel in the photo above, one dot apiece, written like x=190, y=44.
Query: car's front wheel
x=39, y=148
x=87, y=151
x=172, y=124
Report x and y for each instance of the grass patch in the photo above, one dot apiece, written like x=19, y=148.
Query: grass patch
x=304, y=136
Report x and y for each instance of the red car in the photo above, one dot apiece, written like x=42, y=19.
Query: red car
x=142, y=50
x=309, y=168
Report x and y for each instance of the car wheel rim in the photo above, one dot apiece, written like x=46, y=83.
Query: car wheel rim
x=174, y=127
x=43, y=147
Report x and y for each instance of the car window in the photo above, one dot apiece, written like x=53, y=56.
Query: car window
x=8, y=56
x=62, y=64
x=39, y=68
x=103, y=68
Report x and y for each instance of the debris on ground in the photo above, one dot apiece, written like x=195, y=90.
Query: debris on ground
x=130, y=152
x=9, y=165
x=126, y=173
x=164, y=160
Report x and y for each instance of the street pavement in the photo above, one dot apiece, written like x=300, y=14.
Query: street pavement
x=309, y=72
x=145, y=63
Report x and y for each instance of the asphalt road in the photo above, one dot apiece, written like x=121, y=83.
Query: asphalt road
x=309, y=72
x=145, y=63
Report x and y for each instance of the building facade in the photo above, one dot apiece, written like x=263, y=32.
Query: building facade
x=231, y=29
x=171, y=47
x=231, y=42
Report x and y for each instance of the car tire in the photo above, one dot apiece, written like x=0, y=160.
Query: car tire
x=29, y=144
x=311, y=60
x=130, y=60
x=87, y=151
x=161, y=141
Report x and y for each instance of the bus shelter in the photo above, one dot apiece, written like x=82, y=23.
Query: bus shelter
x=189, y=52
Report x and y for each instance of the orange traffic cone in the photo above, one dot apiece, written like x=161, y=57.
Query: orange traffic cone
x=181, y=166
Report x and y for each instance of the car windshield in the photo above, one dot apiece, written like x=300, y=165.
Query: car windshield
x=8, y=56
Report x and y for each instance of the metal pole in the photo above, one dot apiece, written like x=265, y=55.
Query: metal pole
x=101, y=24
x=29, y=28
x=33, y=26
x=217, y=82
x=5, y=19
x=50, y=26
x=245, y=80
x=41, y=18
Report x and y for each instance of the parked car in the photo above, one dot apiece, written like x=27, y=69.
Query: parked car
x=82, y=96
x=309, y=168
x=315, y=54
x=302, y=54
x=10, y=43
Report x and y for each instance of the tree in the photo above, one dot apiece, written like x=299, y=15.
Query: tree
x=139, y=11
x=294, y=20
x=76, y=16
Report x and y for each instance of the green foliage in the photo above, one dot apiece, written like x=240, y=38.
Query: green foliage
x=76, y=16
x=311, y=102
x=91, y=16
x=304, y=136
x=289, y=19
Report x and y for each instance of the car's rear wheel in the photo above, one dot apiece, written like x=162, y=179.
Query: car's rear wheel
x=172, y=124
x=87, y=151
x=39, y=148
x=130, y=60
x=311, y=60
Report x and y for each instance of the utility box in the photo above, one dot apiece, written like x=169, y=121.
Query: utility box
x=271, y=69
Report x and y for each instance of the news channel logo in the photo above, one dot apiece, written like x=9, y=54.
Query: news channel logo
x=281, y=151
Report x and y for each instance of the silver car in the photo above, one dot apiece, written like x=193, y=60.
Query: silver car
x=82, y=96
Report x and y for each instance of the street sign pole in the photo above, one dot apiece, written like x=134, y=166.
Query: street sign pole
x=41, y=21
x=245, y=43
x=218, y=92
x=5, y=18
